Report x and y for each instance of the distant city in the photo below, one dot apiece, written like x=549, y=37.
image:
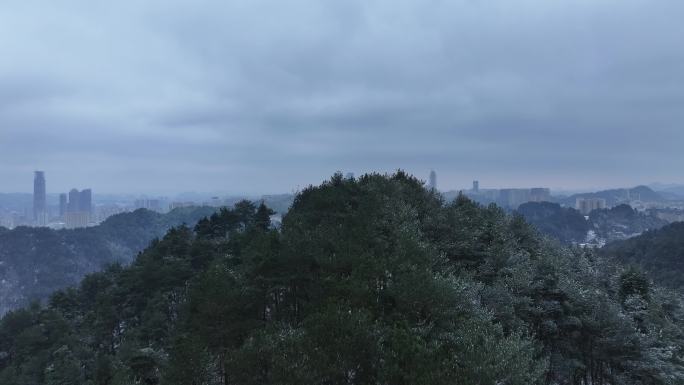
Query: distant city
x=81, y=208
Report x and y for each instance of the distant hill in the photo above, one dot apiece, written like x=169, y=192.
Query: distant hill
x=37, y=261
x=660, y=252
x=622, y=222
x=670, y=191
x=569, y=226
x=565, y=224
x=616, y=196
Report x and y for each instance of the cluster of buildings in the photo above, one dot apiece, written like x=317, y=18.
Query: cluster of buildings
x=510, y=198
x=586, y=205
x=75, y=208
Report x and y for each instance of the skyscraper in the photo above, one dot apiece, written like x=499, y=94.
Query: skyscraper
x=39, y=199
x=63, y=202
x=85, y=201
x=476, y=186
x=587, y=205
x=79, y=209
x=433, y=180
x=74, y=199
x=540, y=194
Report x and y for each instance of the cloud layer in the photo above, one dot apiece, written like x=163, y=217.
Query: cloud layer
x=265, y=96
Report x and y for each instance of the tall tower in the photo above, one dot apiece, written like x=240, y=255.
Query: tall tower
x=79, y=209
x=85, y=201
x=39, y=199
x=433, y=180
x=62, y=205
x=74, y=201
x=476, y=186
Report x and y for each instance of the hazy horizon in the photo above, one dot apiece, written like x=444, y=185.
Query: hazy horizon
x=565, y=190
x=252, y=97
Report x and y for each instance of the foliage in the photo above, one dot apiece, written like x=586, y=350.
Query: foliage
x=372, y=280
x=34, y=262
x=658, y=252
x=622, y=222
x=570, y=227
x=565, y=224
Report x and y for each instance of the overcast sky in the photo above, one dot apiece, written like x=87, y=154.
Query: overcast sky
x=267, y=96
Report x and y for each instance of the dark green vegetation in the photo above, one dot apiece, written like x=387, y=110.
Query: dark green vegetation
x=34, y=262
x=368, y=281
x=569, y=226
x=660, y=252
x=565, y=224
x=622, y=222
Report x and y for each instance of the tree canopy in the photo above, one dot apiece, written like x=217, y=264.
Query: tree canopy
x=373, y=280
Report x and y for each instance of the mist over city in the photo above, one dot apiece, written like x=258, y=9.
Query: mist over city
x=341, y=192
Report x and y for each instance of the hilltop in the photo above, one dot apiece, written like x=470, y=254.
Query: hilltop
x=368, y=281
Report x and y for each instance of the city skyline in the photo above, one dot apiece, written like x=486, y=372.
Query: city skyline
x=424, y=176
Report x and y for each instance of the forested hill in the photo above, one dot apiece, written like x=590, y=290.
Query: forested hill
x=563, y=223
x=660, y=252
x=34, y=262
x=606, y=225
x=368, y=281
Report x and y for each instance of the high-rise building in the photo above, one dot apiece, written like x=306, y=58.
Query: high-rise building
x=85, y=201
x=433, y=180
x=79, y=208
x=175, y=205
x=587, y=205
x=39, y=199
x=77, y=219
x=540, y=194
x=155, y=204
x=74, y=198
x=476, y=186
x=513, y=197
x=63, y=203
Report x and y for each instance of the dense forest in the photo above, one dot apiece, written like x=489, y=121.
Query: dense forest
x=660, y=252
x=34, y=262
x=563, y=223
x=622, y=222
x=569, y=225
x=373, y=280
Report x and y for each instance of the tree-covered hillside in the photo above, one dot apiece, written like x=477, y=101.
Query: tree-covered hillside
x=565, y=224
x=622, y=222
x=660, y=252
x=34, y=262
x=570, y=227
x=367, y=281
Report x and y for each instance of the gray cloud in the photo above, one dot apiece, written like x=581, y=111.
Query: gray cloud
x=264, y=96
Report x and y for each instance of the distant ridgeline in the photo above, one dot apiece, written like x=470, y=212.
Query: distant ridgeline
x=368, y=281
x=617, y=196
x=34, y=262
x=511, y=199
x=569, y=226
x=660, y=252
